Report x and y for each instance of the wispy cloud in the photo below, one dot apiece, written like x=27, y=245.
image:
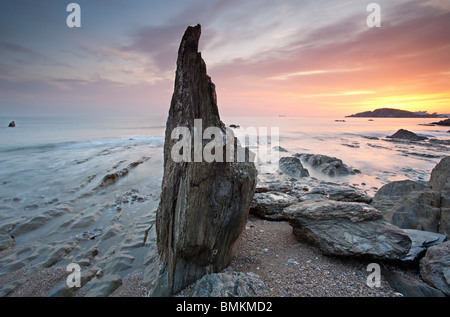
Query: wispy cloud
x=262, y=55
x=313, y=72
x=344, y=93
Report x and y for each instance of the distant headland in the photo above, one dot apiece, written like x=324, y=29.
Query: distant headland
x=395, y=113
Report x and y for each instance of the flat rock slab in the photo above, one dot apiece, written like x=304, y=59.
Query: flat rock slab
x=347, y=229
x=270, y=205
x=421, y=241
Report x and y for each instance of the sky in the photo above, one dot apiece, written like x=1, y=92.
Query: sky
x=266, y=57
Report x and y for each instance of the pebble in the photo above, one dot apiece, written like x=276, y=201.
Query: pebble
x=291, y=268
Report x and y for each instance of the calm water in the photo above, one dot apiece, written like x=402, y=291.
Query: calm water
x=46, y=157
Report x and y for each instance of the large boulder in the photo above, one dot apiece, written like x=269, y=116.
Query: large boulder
x=440, y=181
x=293, y=167
x=440, y=176
x=422, y=206
x=204, y=205
x=347, y=229
x=330, y=166
x=435, y=267
x=418, y=210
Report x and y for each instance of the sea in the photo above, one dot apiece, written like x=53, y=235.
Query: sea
x=85, y=189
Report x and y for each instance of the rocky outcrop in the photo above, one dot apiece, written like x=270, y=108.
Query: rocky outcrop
x=393, y=113
x=203, y=206
x=440, y=181
x=407, y=135
x=421, y=241
x=413, y=205
x=293, y=167
x=347, y=229
x=390, y=195
x=418, y=210
x=445, y=122
x=435, y=267
x=440, y=176
x=330, y=166
x=275, y=192
x=408, y=287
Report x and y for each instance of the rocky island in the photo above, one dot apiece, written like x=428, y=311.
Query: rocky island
x=394, y=113
x=445, y=122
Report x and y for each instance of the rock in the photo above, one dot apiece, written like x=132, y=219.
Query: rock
x=406, y=135
x=273, y=186
x=445, y=122
x=328, y=165
x=293, y=166
x=347, y=229
x=440, y=181
x=280, y=149
x=409, y=288
x=391, y=197
x=270, y=205
x=230, y=284
x=203, y=206
x=339, y=192
x=12, y=124
x=421, y=241
x=444, y=224
x=234, y=126
x=435, y=267
x=440, y=176
x=418, y=210
x=414, y=205
x=400, y=188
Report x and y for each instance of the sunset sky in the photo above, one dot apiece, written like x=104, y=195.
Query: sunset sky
x=266, y=57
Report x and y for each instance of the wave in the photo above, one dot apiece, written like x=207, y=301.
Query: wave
x=135, y=140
